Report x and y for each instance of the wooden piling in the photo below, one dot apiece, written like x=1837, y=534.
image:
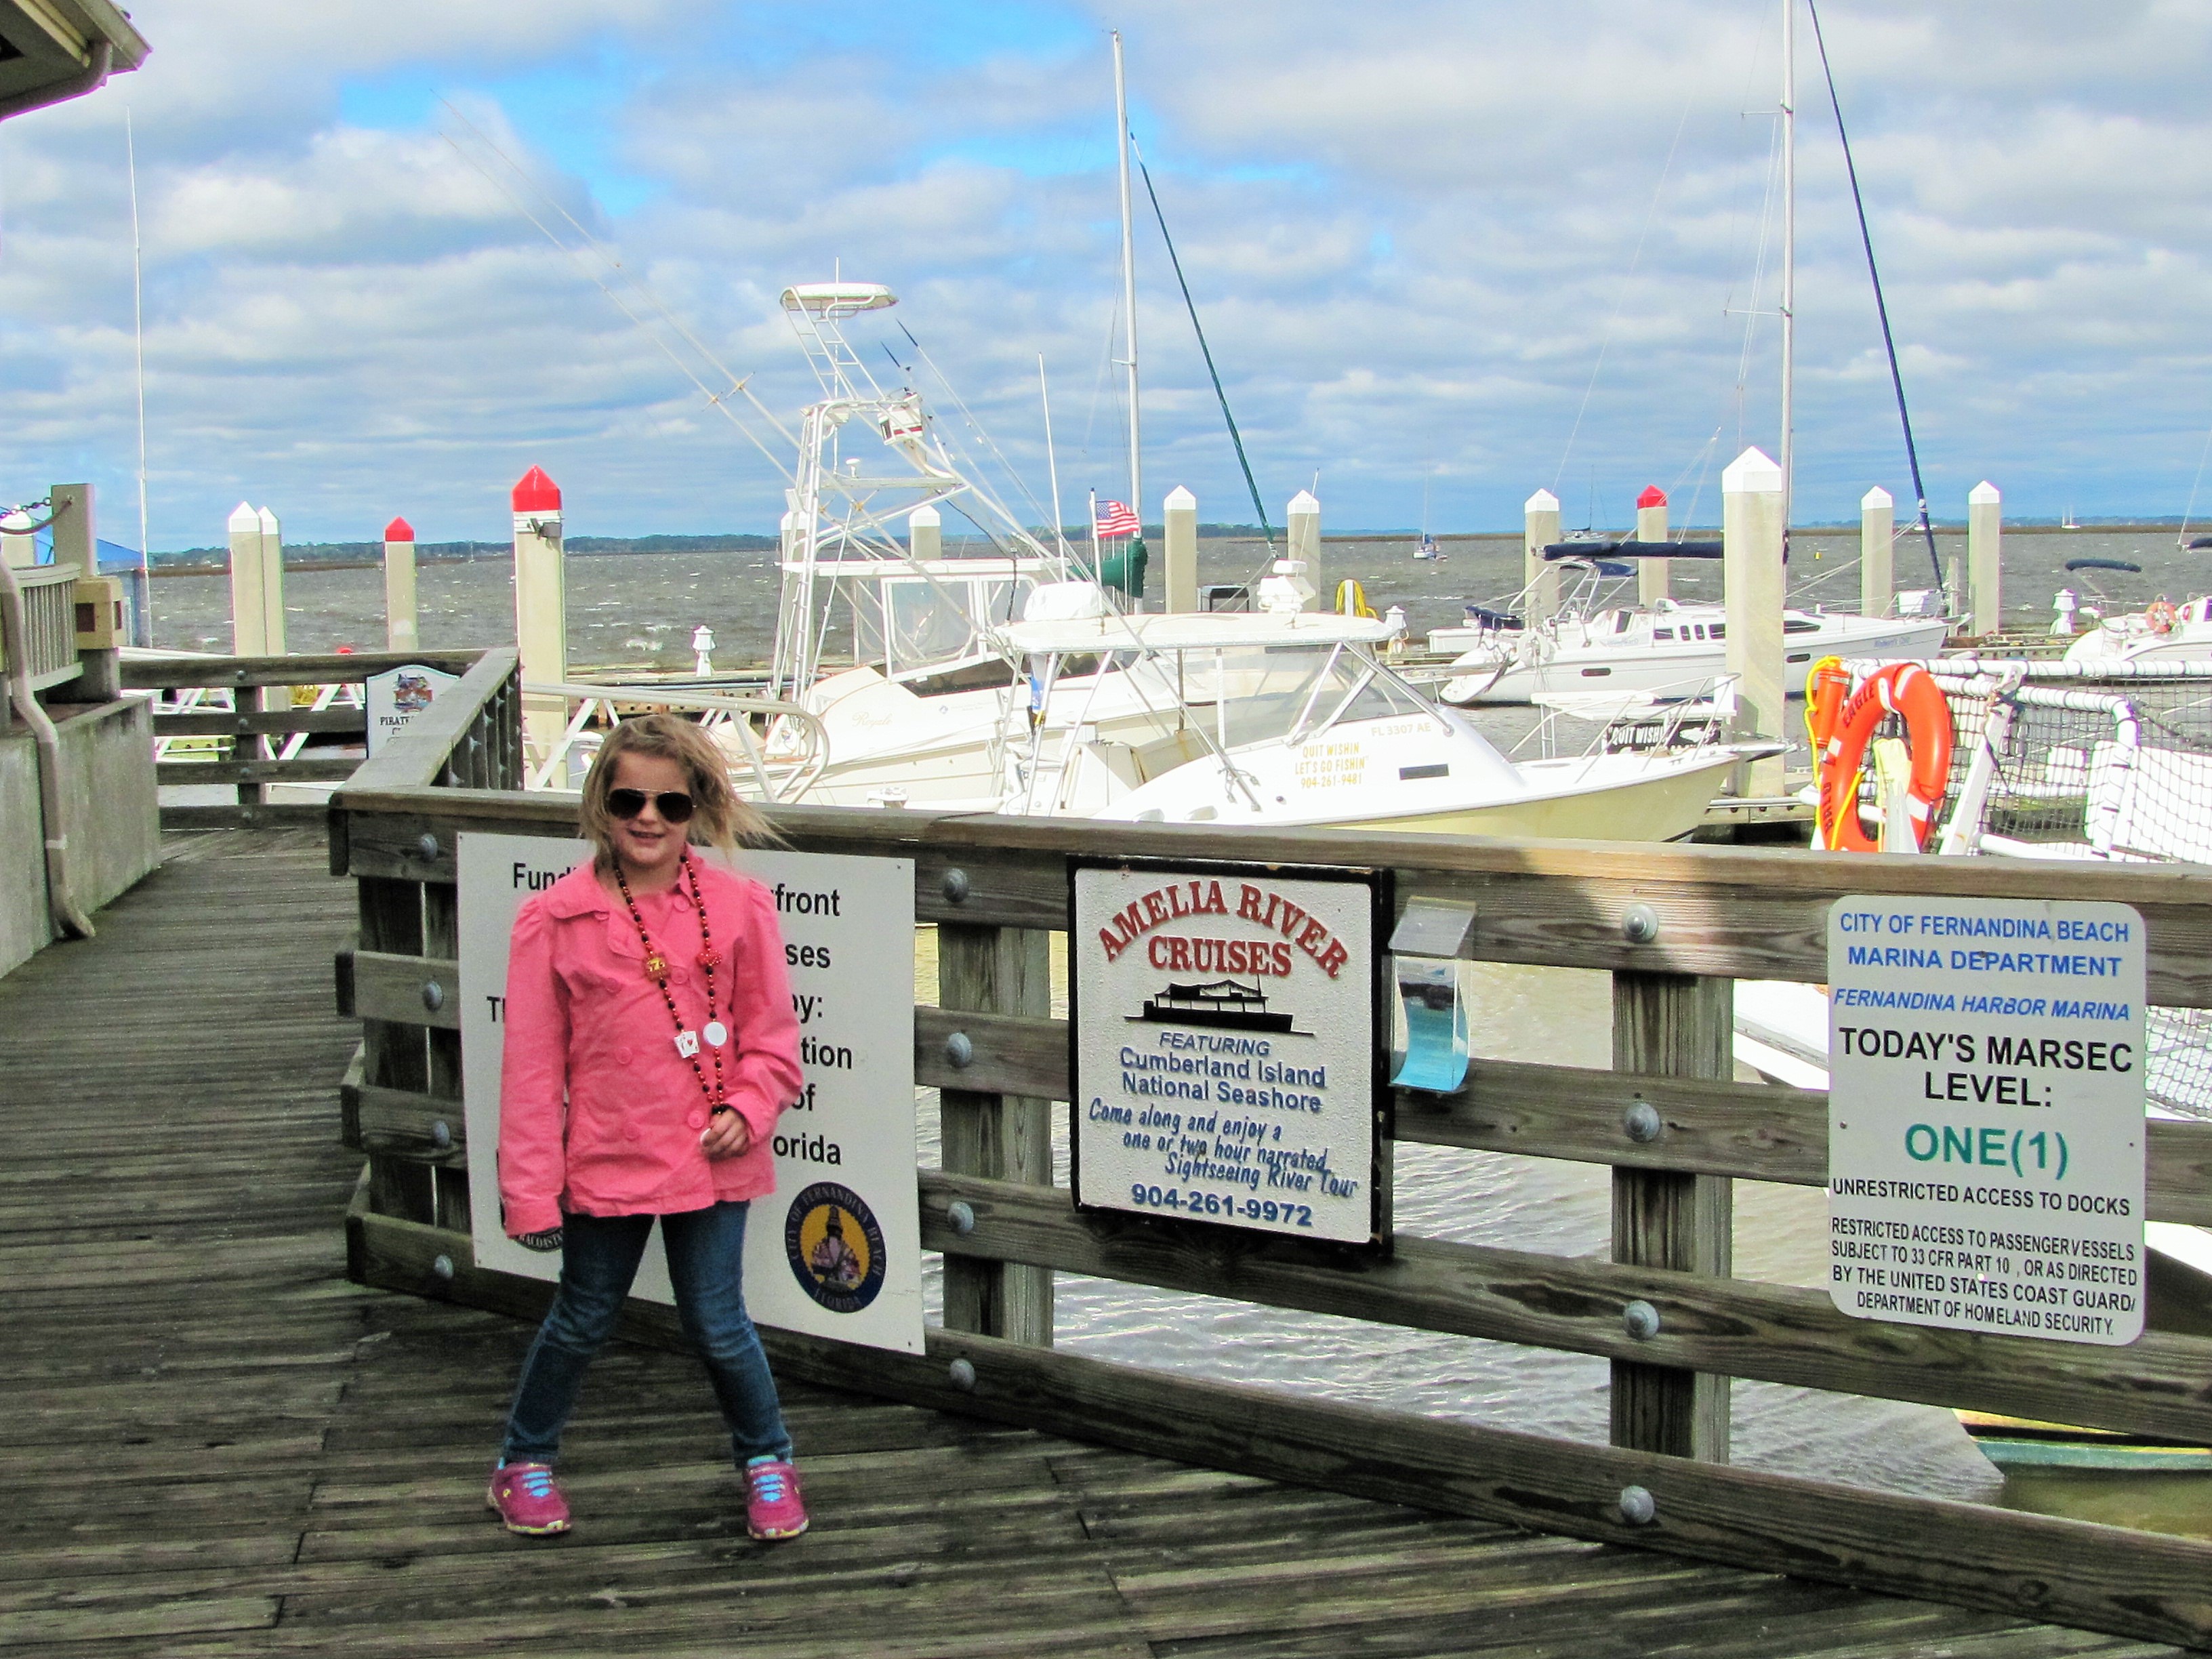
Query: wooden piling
x=1539, y=518
x=249, y=632
x=1877, y=536
x=1303, y=540
x=541, y=611
x=1179, y=517
x=1984, y=539
x=272, y=583
x=1751, y=570
x=1651, y=527
x=400, y=631
x=925, y=533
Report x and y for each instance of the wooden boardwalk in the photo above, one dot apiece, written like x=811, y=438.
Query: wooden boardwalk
x=211, y=1443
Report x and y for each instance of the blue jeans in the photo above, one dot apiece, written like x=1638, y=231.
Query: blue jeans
x=705, y=1263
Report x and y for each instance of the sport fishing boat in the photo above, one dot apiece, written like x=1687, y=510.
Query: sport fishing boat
x=1668, y=648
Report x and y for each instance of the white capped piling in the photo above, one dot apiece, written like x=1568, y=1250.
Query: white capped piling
x=272, y=583
x=1752, y=571
x=1302, y=538
x=1179, y=538
x=1540, y=519
x=925, y=533
x=400, y=629
x=18, y=545
x=541, y=609
x=1651, y=527
x=1877, y=536
x=1984, y=537
x=249, y=598
x=76, y=542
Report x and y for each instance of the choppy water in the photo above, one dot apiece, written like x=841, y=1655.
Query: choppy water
x=634, y=609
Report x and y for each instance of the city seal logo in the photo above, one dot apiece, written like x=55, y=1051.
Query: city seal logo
x=835, y=1247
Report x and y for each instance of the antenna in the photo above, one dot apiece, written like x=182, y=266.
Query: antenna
x=142, y=618
x=1128, y=281
x=1051, y=460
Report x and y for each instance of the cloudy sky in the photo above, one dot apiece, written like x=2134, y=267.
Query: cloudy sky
x=1451, y=252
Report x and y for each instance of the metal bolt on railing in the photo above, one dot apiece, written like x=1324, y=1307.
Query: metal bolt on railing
x=963, y=1374
x=1639, y=924
x=960, y=1049
x=427, y=845
x=955, y=886
x=962, y=1215
x=1641, y=1123
x=1637, y=1506
x=1640, y=1320
x=433, y=995
x=442, y=1270
x=441, y=1134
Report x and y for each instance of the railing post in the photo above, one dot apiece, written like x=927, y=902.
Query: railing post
x=1672, y=1025
x=395, y=1056
x=996, y=970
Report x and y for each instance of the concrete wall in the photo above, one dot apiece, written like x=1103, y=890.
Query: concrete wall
x=115, y=835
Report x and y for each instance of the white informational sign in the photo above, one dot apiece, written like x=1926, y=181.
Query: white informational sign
x=397, y=696
x=1223, y=1029
x=835, y=1250
x=1985, y=1116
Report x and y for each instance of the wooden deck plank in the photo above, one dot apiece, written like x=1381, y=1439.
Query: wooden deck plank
x=212, y=1446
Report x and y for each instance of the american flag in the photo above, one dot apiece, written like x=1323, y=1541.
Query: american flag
x=1114, y=519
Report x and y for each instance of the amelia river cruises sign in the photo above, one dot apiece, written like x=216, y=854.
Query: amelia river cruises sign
x=1224, y=1046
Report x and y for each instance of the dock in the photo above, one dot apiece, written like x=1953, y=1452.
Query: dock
x=215, y=1442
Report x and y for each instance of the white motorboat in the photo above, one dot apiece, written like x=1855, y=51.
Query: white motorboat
x=2160, y=632
x=1670, y=649
x=1290, y=719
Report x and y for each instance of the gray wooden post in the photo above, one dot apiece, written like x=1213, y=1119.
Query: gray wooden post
x=249, y=633
x=272, y=585
x=1751, y=572
x=999, y=970
x=1877, y=537
x=1651, y=527
x=1672, y=1025
x=1985, y=540
x=1179, y=540
x=925, y=533
x=1539, y=528
x=1302, y=536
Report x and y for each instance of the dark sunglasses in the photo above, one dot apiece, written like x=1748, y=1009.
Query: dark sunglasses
x=674, y=805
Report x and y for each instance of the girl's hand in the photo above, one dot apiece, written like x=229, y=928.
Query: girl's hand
x=727, y=1135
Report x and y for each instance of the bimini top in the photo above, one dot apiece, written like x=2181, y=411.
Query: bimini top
x=1199, y=631
x=835, y=300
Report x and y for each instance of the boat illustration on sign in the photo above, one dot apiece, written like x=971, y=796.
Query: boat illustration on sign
x=1223, y=1002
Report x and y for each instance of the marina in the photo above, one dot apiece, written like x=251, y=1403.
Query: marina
x=1630, y=1086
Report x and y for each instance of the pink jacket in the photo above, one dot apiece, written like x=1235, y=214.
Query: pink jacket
x=598, y=1111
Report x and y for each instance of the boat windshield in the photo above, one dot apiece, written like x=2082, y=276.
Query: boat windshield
x=1265, y=695
x=908, y=625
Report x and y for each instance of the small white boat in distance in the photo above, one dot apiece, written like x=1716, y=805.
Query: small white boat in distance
x=1291, y=720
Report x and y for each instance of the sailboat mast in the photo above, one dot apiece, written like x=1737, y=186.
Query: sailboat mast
x=1789, y=252
x=1128, y=281
x=1051, y=459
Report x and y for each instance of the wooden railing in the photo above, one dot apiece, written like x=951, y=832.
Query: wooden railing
x=997, y=889
x=245, y=712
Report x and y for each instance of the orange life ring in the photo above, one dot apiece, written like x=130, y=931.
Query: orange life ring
x=1902, y=688
x=2160, y=614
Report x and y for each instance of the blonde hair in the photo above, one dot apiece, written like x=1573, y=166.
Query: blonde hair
x=719, y=818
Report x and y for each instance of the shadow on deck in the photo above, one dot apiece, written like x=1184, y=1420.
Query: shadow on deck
x=210, y=1443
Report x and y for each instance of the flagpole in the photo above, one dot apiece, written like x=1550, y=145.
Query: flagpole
x=1097, y=568
x=1128, y=281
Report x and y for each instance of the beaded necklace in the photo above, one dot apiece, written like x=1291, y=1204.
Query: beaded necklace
x=656, y=969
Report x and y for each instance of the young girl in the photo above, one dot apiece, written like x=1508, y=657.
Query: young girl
x=650, y=1048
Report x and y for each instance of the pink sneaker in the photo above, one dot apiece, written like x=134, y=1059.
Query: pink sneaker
x=528, y=1501
x=773, y=1509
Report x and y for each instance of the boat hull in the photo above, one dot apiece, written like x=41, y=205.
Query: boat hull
x=1678, y=670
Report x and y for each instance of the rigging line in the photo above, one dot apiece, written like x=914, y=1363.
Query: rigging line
x=643, y=327
x=1751, y=312
x=2183, y=538
x=1620, y=299
x=981, y=431
x=1213, y=374
x=1880, y=305
x=736, y=382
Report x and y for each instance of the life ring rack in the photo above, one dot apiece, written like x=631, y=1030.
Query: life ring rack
x=1841, y=726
